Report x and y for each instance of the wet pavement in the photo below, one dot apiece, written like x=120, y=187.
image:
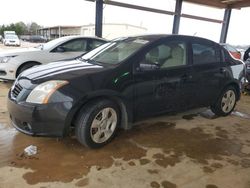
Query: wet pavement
x=194, y=149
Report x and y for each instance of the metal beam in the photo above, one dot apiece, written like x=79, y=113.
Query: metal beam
x=98, y=18
x=137, y=7
x=225, y=25
x=177, y=17
x=201, y=18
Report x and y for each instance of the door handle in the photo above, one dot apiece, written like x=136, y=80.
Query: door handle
x=186, y=77
x=222, y=70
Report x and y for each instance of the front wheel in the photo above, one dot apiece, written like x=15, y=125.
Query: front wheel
x=97, y=123
x=226, y=102
x=25, y=67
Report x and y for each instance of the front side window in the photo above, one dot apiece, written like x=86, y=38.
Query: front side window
x=78, y=45
x=203, y=54
x=169, y=54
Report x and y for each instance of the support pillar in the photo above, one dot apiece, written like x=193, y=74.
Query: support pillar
x=98, y=18
x=177, y=17
x=225, y=25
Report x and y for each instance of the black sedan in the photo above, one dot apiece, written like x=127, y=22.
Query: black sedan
x=122, y=81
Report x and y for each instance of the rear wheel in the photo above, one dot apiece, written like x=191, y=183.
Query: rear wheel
x=97, y=123
x=226, y=102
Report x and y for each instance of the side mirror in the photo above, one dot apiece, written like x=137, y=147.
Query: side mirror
x=60, y=49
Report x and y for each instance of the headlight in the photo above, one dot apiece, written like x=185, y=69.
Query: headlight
x=6, y=58
x=41, y=93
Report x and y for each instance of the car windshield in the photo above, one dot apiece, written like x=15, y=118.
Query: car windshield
x=115, y=51
x=11, y=37
x=51, y=44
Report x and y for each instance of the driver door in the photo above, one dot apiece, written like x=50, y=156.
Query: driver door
x=161, y=86
x=68, y=50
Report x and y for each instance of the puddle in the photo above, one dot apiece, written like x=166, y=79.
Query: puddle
x=193, y=143
x=189, y=116
x=6, y=143
x=66, y=159
x=211, y=186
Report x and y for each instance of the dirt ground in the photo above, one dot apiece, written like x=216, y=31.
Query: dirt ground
x=23, y=45
x=190, y=150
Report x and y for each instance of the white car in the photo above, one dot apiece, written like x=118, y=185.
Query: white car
x=11, y=40
x=13, y=62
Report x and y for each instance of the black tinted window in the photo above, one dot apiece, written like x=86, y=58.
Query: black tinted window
x=76, y=45
x=95, y=43
x=203, y=53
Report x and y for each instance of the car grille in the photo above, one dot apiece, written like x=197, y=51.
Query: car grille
x=16, y=90
x=2, y=73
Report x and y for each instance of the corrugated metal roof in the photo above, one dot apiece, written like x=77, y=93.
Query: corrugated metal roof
x=214, y=3
x=222, y=3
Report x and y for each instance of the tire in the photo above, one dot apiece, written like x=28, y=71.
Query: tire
x=97, y=123
x=25, y=67
x=226, y=102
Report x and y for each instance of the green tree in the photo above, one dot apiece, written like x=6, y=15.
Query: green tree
x=21, y=28
x=33, y=27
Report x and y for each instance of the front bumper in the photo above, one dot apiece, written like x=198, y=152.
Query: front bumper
x=39, y=120
x=10, y=43
x=7, y=71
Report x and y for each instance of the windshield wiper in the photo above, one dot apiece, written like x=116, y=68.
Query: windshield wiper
x=89, y=61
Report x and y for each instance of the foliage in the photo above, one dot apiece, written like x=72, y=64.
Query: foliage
x=21, y=28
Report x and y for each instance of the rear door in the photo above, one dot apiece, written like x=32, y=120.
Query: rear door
x=209, y=71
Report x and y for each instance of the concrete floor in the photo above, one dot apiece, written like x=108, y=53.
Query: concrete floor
x=188, y=150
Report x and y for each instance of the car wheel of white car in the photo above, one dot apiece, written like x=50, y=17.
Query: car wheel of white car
x=226, y=102
x=25, y=67
x=97, y=123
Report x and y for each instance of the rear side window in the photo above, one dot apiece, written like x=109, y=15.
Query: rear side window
x=204, y=53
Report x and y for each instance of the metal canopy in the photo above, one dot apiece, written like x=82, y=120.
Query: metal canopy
x=213, y=3
x=228, y=5
x=222, y=3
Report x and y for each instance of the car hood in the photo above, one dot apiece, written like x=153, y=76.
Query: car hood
x=16, y=52
x=63, y=70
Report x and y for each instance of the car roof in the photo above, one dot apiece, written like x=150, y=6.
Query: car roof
x=154, y=37
x=81, y=36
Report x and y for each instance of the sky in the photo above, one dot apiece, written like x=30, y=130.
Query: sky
x=81, y=12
